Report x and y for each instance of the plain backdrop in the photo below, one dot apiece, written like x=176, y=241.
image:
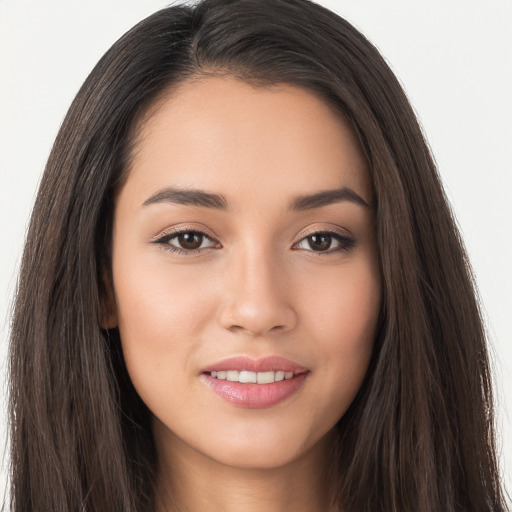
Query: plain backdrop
x=453, y=57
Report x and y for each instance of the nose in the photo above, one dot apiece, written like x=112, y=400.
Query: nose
x=257, y=301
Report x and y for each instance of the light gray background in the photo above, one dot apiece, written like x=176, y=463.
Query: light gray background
x=454, y=58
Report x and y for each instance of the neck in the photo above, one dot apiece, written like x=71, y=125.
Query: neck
x=190, y=481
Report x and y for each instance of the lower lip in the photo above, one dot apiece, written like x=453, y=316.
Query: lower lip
x=255, y=396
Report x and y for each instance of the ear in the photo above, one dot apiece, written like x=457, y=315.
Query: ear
x=108, y=306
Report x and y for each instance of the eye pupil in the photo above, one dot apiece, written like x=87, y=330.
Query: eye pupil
x=320, y=242
x=190, y=240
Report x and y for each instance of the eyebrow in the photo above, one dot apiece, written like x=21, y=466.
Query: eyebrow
x=188, y=196
x=204, y=199
x=327, y=197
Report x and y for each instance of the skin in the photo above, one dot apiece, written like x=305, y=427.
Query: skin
x=255, y=288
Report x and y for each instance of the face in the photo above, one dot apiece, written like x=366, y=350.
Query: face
x=245, y=271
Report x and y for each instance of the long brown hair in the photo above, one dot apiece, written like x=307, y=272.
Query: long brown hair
x=419, y=435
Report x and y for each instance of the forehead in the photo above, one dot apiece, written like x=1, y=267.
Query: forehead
x=222, y=133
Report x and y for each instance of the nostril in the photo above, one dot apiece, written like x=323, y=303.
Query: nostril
x=254, y=332
x=256, y=316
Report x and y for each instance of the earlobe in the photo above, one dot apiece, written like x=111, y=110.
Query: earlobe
x=108, y=313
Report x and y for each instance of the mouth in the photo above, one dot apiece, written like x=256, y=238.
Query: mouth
x=255, y=383
x=248, y=377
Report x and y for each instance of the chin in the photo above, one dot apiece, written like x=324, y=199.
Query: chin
x=264, y=450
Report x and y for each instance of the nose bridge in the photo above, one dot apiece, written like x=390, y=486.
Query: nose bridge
x=257, y=301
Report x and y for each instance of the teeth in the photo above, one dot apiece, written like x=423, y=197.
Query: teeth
x=232, y=375
x=247, y=377
x=265, y=377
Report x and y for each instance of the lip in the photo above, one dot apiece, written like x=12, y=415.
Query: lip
x=264, y=364
x=255, y=396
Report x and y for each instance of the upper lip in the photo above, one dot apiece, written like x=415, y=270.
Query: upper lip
x=264, y=364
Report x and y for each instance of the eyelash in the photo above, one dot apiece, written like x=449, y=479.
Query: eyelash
x=345, y=241
x=167, y=237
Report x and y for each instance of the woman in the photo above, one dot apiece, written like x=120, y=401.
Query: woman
x=242, y=286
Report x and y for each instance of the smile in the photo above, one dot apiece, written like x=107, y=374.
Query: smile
x=255, y=383
x=248, y=377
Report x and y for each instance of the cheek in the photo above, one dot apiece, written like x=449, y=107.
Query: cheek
x=160, y=317
x=153, y=297
x=345, y=307
x=344, y=315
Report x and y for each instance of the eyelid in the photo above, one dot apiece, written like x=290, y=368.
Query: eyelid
x=343, y=236
x=330, y=228
x=164, y=238
x=184, y=228
x=343, y=233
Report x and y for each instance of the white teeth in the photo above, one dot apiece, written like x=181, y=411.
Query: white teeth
x=265, y=377
x=232, y=375
x=248, y=377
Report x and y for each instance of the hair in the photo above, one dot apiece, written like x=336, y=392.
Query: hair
x=419, y=435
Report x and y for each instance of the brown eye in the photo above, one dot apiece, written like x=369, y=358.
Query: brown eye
x=190, y=240
x=320, y=242
x=328, y=242
x=187, y=242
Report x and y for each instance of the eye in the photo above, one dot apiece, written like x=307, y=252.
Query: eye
x=189, y=241
x=326, y=241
